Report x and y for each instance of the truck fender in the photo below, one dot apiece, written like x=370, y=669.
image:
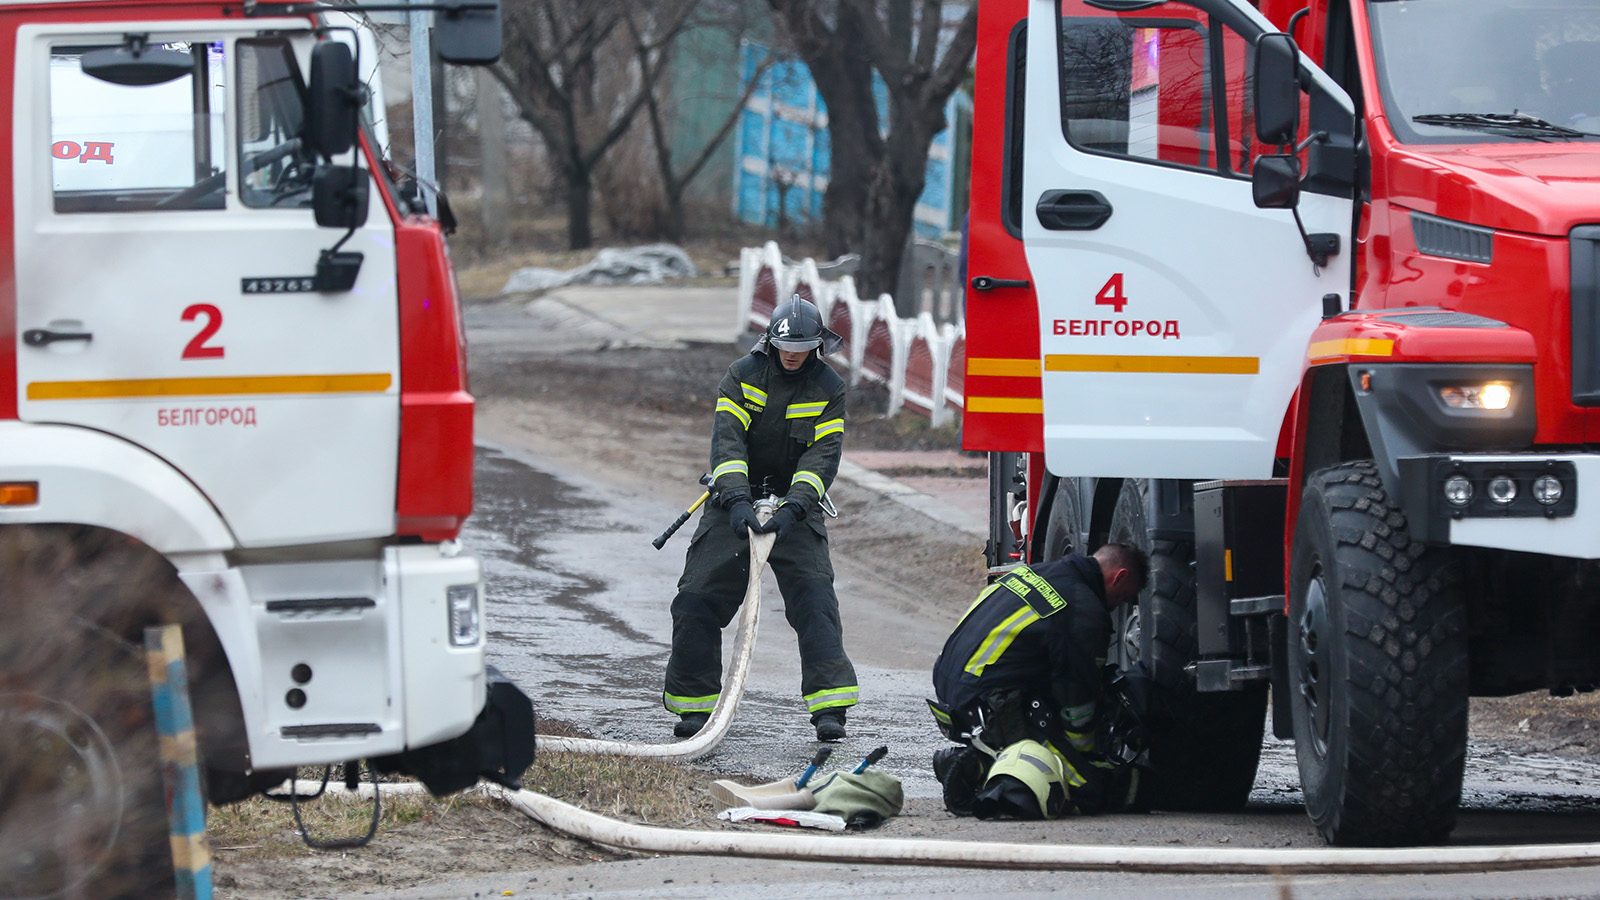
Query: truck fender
x=88, y=477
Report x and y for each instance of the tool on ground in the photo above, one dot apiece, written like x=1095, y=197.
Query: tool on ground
x=872, y=757
x=818, y=760
x=672, y=529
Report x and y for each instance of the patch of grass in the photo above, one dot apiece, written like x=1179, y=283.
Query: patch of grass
x=639, y=790
x=647, y=791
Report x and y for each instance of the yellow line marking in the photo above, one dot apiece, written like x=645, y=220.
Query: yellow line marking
x=366, y=383
x=1025, y=405
x=1017, y=368
x=1180, y=365
x=1351, y=347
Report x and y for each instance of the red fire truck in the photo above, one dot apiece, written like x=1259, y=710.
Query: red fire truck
x=1305, y=299
x=232, y=396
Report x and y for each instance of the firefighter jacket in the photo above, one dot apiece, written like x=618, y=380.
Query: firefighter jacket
x=1039, y=632
x=784, y=430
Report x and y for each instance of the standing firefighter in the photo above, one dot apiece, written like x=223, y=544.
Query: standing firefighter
x=1021, y=679
x=778, y=428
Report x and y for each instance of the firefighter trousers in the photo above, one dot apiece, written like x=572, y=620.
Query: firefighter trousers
x=715, y=574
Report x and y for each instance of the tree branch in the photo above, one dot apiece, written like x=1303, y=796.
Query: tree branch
x=733, y=117
x=952, y=69
x=928, y=35
x=880, y=47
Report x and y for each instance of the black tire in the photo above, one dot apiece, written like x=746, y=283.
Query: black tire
x=82, y=806
x=1377, y=664
x=1061, y=531
x=1204, y=747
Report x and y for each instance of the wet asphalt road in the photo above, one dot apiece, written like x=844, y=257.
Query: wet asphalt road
x=578, y=605
x=578, y=612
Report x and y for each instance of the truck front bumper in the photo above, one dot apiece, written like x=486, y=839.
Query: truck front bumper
x=1501, y=508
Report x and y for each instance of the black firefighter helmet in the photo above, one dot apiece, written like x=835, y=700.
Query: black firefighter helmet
x=797, y=325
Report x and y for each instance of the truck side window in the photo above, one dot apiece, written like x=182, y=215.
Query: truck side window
x=121, y=148
x=1016, y=88
x=274, y=171
x=1168, y=90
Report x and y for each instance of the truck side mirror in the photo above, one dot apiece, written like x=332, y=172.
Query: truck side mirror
x=339, y=196
x=1275, y=181
x=1277, y=84
x=467, y=32
x=334, y=94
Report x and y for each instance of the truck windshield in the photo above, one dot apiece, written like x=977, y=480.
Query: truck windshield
x=1475, y=71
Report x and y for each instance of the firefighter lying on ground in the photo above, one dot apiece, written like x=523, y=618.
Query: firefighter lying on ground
x=1020, y=683
x=779, y=422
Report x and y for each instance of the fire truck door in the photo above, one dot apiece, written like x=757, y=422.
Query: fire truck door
x=1174, y=314
x=165, y=248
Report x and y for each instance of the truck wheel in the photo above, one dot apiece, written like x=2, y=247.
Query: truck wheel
x=82, y=805
x=1061, y=532
x=1204, y=747
x=1377, y=665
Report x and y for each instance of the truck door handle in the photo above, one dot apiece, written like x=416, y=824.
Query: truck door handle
x=41, y=337
x=1072, y=210
x=986, y=283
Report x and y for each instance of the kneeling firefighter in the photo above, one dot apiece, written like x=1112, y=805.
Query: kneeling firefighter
x=1020, y=683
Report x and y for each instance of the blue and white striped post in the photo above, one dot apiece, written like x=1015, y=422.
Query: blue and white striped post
x=180, y=768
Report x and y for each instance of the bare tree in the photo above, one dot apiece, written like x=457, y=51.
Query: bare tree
x=879, y=168
x=571, y=69
x=675, y=182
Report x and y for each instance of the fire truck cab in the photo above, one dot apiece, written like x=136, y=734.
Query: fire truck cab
x=1301, y=297
x=229, y=344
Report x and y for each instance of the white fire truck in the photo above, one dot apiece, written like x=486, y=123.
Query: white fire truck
x=232, y=396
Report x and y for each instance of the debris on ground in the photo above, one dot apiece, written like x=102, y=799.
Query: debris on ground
x=650, y=264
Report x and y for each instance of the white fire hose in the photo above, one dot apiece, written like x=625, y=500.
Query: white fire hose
x=716, y=727
x=598, y=829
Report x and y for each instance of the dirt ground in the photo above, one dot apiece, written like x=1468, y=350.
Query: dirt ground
x=641, y=414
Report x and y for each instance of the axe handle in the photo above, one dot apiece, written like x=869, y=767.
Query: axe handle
x=672, y=529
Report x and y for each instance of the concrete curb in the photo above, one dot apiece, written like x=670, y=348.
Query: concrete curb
x=911, y=498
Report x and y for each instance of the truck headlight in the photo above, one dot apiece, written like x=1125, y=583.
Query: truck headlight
x=1547, y=490
x=1458, y=490
x=1495, y=395
x=466, y=624
x=1502, y=489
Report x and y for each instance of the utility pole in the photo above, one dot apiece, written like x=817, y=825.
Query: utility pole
x=422, y=105
x=492, y=138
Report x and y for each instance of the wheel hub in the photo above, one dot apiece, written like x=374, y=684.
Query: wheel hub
x=65, y=793
x=1312, y=677
x=1130, y=635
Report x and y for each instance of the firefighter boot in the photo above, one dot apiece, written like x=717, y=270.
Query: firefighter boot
x=689, y=724
x=830, y=725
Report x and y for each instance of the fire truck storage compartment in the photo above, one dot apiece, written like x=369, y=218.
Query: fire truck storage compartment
x=1238, y=533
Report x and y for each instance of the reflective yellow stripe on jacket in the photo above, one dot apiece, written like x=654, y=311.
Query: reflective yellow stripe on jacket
x=832, y=426
x=808, y=478
x=732, y=408
x=805, y=410
x=1000, y=638
x=732, y=465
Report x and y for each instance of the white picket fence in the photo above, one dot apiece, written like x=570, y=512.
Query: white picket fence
x=920, y=361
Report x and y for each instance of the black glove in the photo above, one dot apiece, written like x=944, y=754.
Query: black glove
x=783, y=519
x=742, y=516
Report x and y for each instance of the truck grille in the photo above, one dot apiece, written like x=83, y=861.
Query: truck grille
x=1586, y=315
